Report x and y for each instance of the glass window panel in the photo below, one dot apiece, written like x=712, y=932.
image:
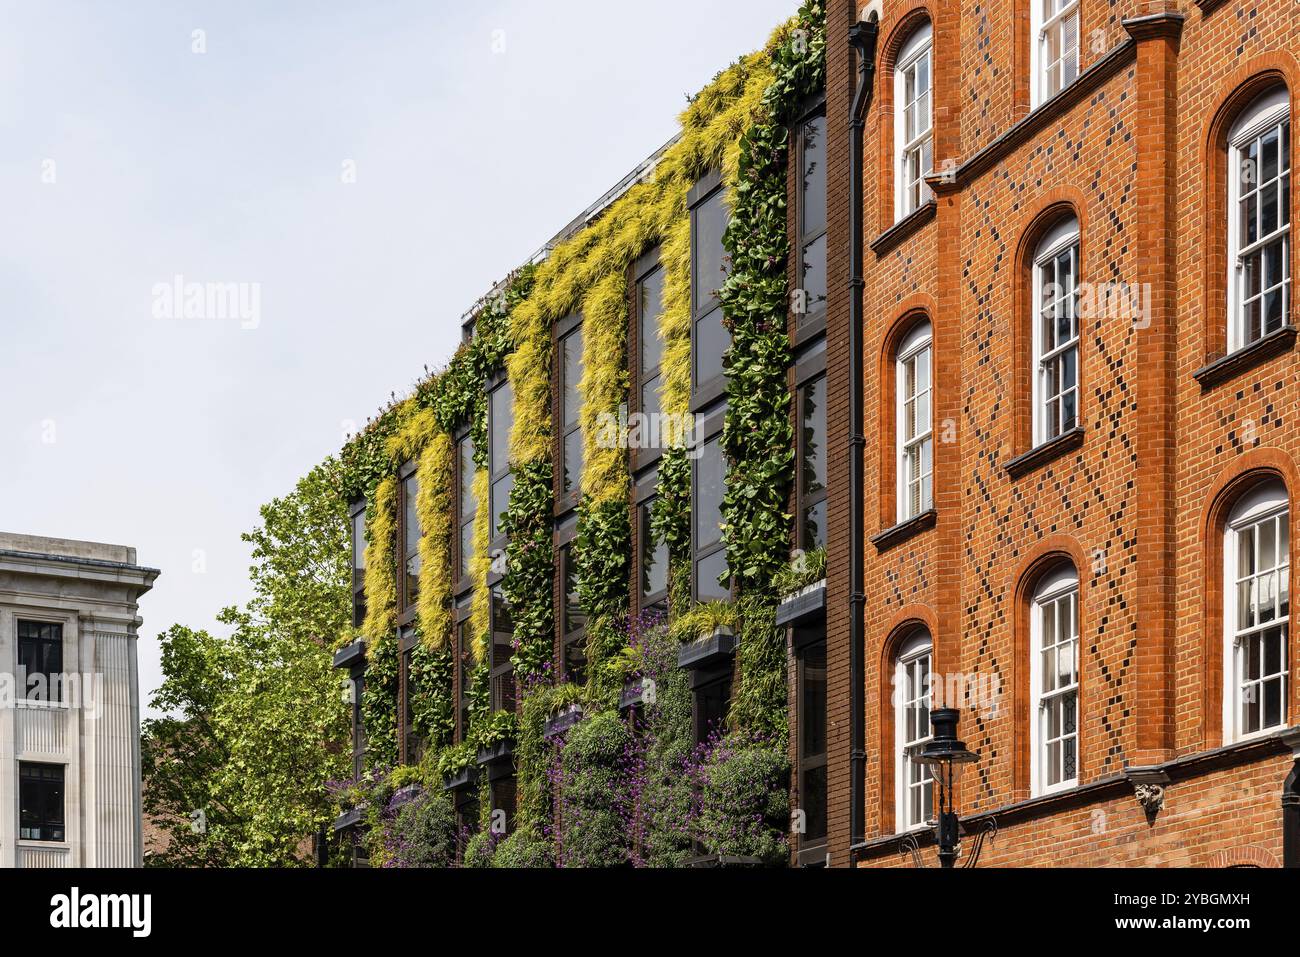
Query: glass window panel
x=651, y=308
x=711, y=344
x=571, y=347
x=710, y=475
x=814, y=175
x=812, y=409
x=708, y=572
x=814, y=276
x=500, y=503
x=710, y=257
x=466, y=469
x=502, y=411
x=654, y=555
x=359, y=541
x=572, y=471
x=814, y=526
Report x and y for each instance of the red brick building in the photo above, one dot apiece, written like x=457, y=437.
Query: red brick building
x=1080, y=392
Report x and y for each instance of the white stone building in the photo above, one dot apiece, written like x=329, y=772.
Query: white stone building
x=69, y=703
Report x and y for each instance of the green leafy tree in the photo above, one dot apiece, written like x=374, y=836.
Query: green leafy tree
x=235, y=774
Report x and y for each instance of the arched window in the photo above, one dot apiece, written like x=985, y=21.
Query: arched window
x=1056, y=332
x=1054, y=41
x=914, y=377
x=1259, y=220
x=913, y=121
x=1257, y=608
x=1054, y=681
x=914, y=784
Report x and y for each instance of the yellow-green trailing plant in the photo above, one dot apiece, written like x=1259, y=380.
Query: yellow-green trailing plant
x=379, y=697
x=434, y=503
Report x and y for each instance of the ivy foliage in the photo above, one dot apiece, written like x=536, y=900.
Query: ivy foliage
x=758, y=438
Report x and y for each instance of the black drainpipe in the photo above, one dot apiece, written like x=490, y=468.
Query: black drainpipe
x=862, y=37
x=1291, y=818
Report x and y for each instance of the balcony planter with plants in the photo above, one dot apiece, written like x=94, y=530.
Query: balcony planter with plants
x=802, y=586
x=457, y=767
x=636, y=694
x=562, y=722
x=496, y=738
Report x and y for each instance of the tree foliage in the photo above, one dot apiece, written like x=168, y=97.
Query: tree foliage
x=255, y=724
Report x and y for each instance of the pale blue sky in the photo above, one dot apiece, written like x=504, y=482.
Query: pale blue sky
x=226, y=166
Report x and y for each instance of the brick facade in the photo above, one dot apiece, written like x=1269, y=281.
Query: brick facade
x=1133, y=149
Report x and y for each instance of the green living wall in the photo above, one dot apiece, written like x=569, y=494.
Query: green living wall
x=610, y=791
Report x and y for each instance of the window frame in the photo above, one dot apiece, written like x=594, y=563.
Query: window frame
x=919, y=340
x=1268, y=111
x=644, y=494
x=501, y=673
x=812, y=318
x=1039, y=26
x=465, y=664
x=710, y=431
x=704, y=392
x=919, y=47
x=916, y=647
x=1063, y=236
x=466, y=519
x=62, y=823
x=1267, y=501
x=566, y=330
x=1055, y=586
x=407, y=508
x=47, y=646
x=569, y=636
x=641, y=375
x=357, y=514
x=498, y=472
x=811, y=852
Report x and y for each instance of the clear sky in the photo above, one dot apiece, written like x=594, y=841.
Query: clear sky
x=369, y=168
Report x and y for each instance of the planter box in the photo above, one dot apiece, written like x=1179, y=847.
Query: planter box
x=636, y=694
x=708, y=652
x=461, y=780
x=501, y=751
x=802, y=607
x=562, y=722
x=348, y=819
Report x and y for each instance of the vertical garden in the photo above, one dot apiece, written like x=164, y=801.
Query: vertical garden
x=606, y=787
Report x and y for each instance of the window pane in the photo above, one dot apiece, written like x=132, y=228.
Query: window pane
x=571, y=348
x=814, y=276
x=466, y=547
x=812, y=412
x=710, y=474
x=814, y=175
x=501, y=415
x=650, y=399
x=711, y=343
x=651, y=308
x=574, y=617
x=814, y=526
x=571, y=474
x=410, y=489
x=466, y=469
x=708, y=572
x=654, y=555
x=812, y=703
x=710, y=257
x=500, y=503
x=359, y=541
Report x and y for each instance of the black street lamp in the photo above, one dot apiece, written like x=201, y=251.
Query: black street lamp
x=946, y=757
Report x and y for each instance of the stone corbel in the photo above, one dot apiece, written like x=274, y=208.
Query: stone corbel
x=1149, y=789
